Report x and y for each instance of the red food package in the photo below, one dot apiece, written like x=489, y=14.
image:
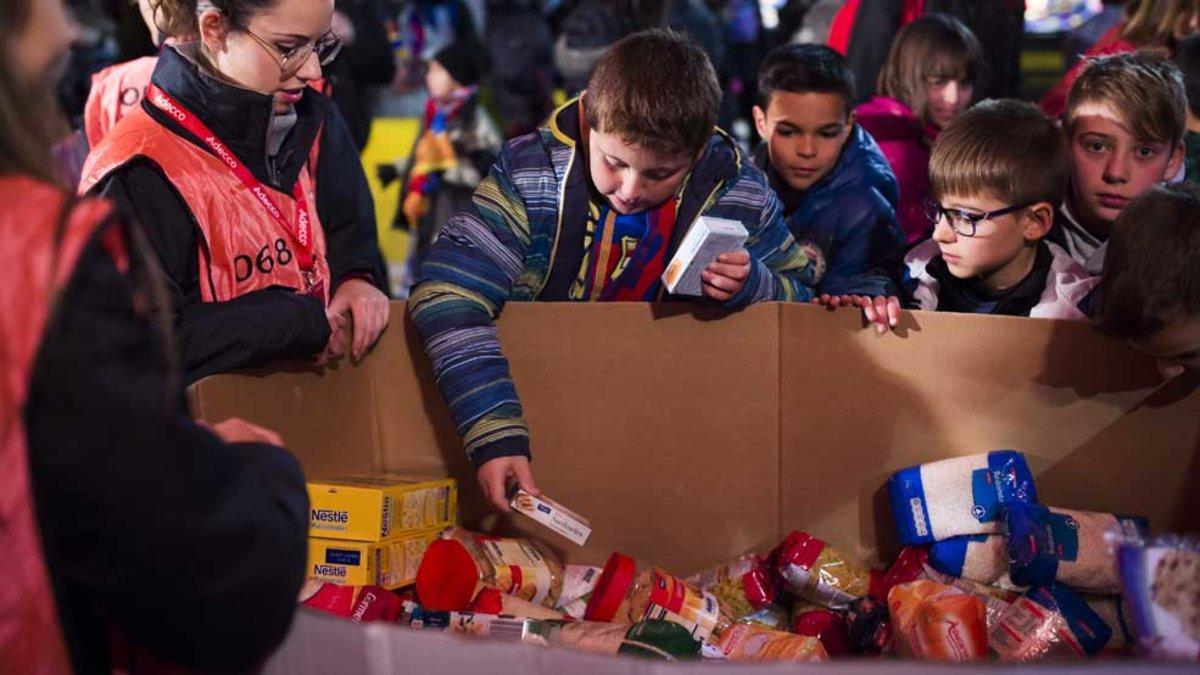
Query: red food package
x=827, y=627
x=909, y=567
x=361, y=604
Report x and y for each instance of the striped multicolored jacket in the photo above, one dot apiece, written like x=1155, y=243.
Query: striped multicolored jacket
x=523, y=240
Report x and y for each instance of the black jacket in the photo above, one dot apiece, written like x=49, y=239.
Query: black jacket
x=152, y=526
x=276, y=323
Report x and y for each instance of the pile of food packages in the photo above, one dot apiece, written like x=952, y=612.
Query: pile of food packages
x=986, y=572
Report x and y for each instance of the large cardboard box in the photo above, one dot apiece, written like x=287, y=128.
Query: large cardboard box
x=687, y=437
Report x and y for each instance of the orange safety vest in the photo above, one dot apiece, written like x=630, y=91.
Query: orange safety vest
x=243, y=249
x=116, y=91
x=44, y=247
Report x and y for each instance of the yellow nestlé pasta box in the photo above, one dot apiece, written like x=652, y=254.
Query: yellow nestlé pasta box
x=377, y=508
x=390, y=564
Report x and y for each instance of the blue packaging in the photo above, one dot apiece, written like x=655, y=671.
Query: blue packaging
x=950, y=555
x=1039, y=540
x=1000, y=478
x=1091, y=631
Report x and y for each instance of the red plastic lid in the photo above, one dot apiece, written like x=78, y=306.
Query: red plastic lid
x=611, y=588
x=447, y=577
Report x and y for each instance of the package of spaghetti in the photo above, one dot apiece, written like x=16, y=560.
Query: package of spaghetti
x=963, y=495
x=938, y=622
x=978, y=557
x=1049, y=622
x=1048, y=545
x=1161, y=579
x=813, y=570
x=742, y=585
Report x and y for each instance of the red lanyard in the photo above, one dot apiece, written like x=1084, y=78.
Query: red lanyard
x=301, y=232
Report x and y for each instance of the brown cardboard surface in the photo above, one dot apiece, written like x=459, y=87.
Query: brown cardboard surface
x=686, y=440
x=1087, y=412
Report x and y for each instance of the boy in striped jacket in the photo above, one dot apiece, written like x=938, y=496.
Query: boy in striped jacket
x=591, y=208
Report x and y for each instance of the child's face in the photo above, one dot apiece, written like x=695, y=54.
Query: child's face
x=1110, y=166
x=805, y=133
x=997, y=254
x=633, y=178
x=1176, y=347
x=439, y=83
x=946, y=98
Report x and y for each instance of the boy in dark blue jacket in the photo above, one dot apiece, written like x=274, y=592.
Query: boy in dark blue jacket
x=837, y=189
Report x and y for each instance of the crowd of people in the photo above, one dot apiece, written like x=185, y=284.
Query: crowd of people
x=204, y=209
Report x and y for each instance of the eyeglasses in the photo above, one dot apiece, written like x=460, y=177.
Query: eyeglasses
x=290, y=62
x=965, y=223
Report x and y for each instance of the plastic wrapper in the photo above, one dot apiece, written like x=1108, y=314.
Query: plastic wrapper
x=472, y=624
x=771, y=616
x=869, y=627
x=578, y=583
x=828, y=627
x=964, y=495
x=654, y=639
x=814, y=570
x=995, y=600
x=1047, y=545
x=755, y=643
x=625, y=595
x=909, y=566
x=361, y=604
x=979, y=557
x=1049, y=622
x=938, y=622
x=455, y=569
x=742, y=585
x=1161, y=579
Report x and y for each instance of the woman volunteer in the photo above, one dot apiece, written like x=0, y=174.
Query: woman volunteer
x=118, y=514
x=250, y=188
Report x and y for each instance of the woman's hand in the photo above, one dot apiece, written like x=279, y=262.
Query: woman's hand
x=368, y=309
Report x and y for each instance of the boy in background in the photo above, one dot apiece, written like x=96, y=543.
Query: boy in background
x=1125, y=120
x=1150, y=294
x=454, y=149
x=997, y=176
x=835, y=184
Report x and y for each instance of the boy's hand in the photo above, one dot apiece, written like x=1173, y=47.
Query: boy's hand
x=725, y=278
x=883, y=311
x=493, y=478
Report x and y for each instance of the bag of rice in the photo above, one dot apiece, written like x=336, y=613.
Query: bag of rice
x=1046, y=545
x=964, y=495
x=1049, y=621
x=979, y=557
x=1161, y=579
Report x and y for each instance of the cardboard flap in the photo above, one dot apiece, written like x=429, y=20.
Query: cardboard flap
x=1080, y=406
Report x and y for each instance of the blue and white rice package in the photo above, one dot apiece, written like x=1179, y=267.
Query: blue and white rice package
x=977, y=557
x=1071, y=547
x=1161, y=579
x=1049, y=621
x=964, y=495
